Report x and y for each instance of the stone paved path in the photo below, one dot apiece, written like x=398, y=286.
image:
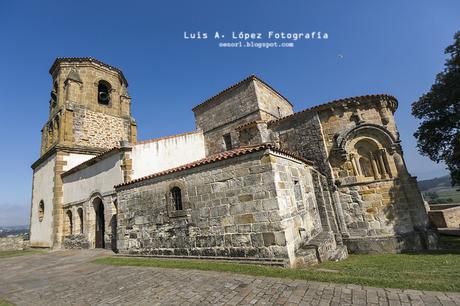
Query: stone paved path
x=67, y=278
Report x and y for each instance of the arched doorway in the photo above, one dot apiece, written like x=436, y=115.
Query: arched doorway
x=100, y=223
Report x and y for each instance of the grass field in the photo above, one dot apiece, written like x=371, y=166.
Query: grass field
x=5, y=303
x=444, y=193
x=436, y=270
x=6, y=254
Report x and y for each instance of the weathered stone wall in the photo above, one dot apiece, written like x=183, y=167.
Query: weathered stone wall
x=298, y=208
x=339, y=120
x=97, y=129
x=221, y=116
x=13, y=243
x=271, y=104
x=302, y=134
x=242, y=207
x=85, y=91
x=375, y=209
x=76, y=242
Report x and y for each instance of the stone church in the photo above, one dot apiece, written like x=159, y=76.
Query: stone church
x=255, y=181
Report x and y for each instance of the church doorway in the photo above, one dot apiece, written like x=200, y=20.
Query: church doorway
x=100, y=223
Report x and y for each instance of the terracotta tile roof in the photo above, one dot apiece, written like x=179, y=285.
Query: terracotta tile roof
x=248, y=79
x=340, y=101
x=167, y=137
x=58, y=60
x=218, y=157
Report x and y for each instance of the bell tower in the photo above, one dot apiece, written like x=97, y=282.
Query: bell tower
x=89, y=113
x=89, y=109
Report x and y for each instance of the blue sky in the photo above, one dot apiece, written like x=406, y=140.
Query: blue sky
x=393, y=47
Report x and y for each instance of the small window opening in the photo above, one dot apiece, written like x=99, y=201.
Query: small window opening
x=176, y=198
x=297, y=191
x=228, y=141
x=41, y=211
x=103, y=92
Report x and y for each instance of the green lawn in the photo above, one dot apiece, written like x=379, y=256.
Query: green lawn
x=6, y=254
x=438, y=271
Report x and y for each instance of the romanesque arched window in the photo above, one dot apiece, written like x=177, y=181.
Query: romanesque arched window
x=41, y=210
x=370, y=160
x=80, y=217
x=103, y=92
x=176, y=197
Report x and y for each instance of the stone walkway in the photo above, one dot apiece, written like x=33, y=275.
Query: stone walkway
x=67, y=278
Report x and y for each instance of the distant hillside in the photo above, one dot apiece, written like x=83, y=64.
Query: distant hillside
x=439, y=190
x=438, y=182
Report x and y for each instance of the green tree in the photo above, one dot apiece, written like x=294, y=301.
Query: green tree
x=438, y=135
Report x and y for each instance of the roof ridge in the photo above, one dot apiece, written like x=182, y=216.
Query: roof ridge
x=336, y=101
x=249, y=78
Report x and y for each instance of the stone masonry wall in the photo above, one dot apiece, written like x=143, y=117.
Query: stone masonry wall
x=375, y=209
x=302, y=134
x=298, y=207
x=97, y=129
x=223, y=115
x=337, y=121
x=13, y=243
x=231, y=208
x=273, y=106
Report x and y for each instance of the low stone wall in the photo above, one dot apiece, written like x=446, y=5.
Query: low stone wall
x=445, y=216
x=408, y=242
x=13, y=243
x=76, y=242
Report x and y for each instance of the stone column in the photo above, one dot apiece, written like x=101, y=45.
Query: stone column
x=353, y=163
x=339, y=211
x=382, y=164
x=375, y=169
x=387, y=163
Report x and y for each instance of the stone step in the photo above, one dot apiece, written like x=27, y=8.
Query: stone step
x=279, y=262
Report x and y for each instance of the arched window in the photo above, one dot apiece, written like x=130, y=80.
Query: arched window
x=69, y=223
x=176, y=198
x=80, y=217
x=103, y=92
x=369, y=160
x=41, y=211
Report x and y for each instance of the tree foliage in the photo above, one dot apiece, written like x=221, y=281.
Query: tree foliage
x=438, y=135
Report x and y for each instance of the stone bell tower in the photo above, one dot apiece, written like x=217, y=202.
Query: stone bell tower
x=89, y=113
